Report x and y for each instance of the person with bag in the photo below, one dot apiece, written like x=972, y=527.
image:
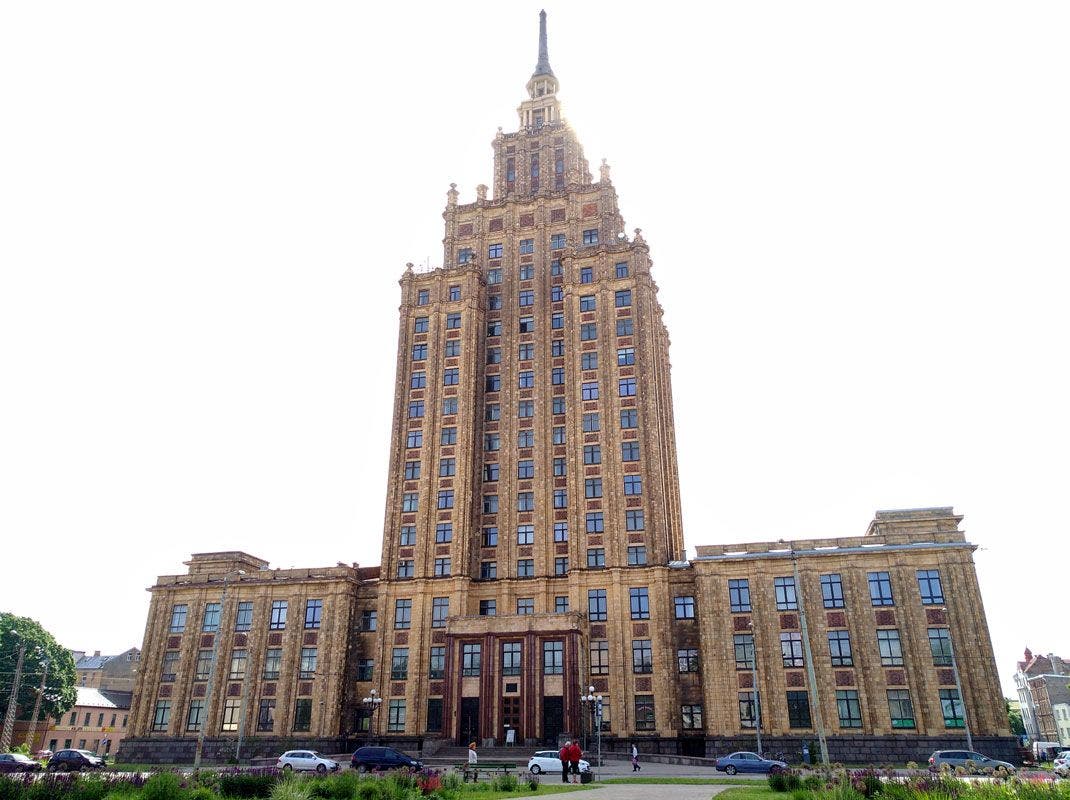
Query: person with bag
x=635, y=759
x=574, y=754
x=564, y=754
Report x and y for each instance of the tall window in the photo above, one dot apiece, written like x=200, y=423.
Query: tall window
x=599, y=657
x=560, y=531
x=161, y=716
x=525, y=568
x=442, y=567
x=437, y=663
x=596, y=605
x=595, y=522
x=901, y=709
x=636, y=555
x=891, y=649
x=629, y=451
x=278, y=614
x=440, y=611
x=832, y=591
x=633, y=485
x=588, y=302
x=195, y=716
x=490, y=537
x=639, y=599
x=691, y=717
x=622, y=298
x=443, y=532
x=309, y=656
x=406, y=568
x=399, y=664
x=634, y=520
x=272, y=663
x=178, y=618
x=940, y=646
x=365, y=669
x=880, y=589
x=739, y=595
x=590, y=236
x=238, y=660
x=511, y=658
x=212, y=612
x=786, y=599
x=748, y=707
x=265, y=717
x=396, y=718
x=798, y=710
x=840, y=649
x=243, y=620
x=954, y=713
x=203, y=668
x=622, y=269
x=553, y=657
x=932, y=593
x=525, y=605
x=791, y=650
x=626, y=387
x=743, y=644
x=848, y=708
x=471, y=659
x=313, y=613
x=403, y=614
x=596, y=557
x=644, y=712
x=170, y=666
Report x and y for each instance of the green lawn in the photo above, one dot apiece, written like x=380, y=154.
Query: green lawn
x=760, y=791
x=689, y=781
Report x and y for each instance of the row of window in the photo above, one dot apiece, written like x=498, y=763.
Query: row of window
x=239, y=659
x=525, y=469
x=841, y=654
x=73, y=720
x=526, y=272
x=880, y=591
x=558, y=241
x=243, y=618
x=423, y=296
x=588, y=331
x=526, y=352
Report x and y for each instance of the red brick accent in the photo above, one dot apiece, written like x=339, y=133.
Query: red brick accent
x=598, y=631
x=946, y=677
x=206, y=640
x=397, y=689
x=198, y=690
x=643, y=685
x=234, y=690
x=745, y=680
x=438, y=637
x=406, y=552
x=640, y=629
x=173, y=642
x=562, y=549
x=268, y=690
x=794, y=679
x=741, y=623
x=310, y=638
x=465, y=230
x=524, y=551
x=896, y=677
x=527, y=220
x=557, y=215
x=275, y=639
x=442, y=550
x=594, y=541
x=589, y=209
x=600, y=684
x=165, y=690
x=789, y=621
x=836, y=619
x=936, y=616
x=435, y=687
x=401, y=637
x=241, y=639
x=495, y=224
x=635, y=537
x=634, y=502
x=845, y=678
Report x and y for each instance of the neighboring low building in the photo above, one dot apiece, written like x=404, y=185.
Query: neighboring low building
x=1062, y=722
x=116, y=673
x=98, y=722
x=1043, y=682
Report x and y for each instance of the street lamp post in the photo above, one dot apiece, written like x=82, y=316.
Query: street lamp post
x=754, y=685
x=12, y=700
x=371, y=704
x=587, y=701
x=594, y=703
x=212, y=670
x=958, y=682
x=37, y=703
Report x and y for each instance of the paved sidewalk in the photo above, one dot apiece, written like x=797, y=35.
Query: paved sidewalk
x=652, y=791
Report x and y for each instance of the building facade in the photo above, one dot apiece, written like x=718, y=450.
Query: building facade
x=98, y=722
x=1043, y=682
x=115, y=673
x=533, y=550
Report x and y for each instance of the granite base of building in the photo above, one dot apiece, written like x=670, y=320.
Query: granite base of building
x=221, y=751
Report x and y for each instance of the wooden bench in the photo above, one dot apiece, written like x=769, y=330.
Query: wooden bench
x=488, y=768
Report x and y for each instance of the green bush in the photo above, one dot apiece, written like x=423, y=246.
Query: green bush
x=801, y=794
x=451, y=781
x=815, y=783
x=162, y=786
x=506, y=783
x=291, y=789
x=247, y=784
x=335, y=787
x=777, y=782
x=369, y=790
x=201, y=793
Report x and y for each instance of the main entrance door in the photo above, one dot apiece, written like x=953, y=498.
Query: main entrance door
x=470, y=720
x=553, y=718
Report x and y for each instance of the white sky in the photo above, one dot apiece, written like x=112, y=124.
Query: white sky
x=858, y=214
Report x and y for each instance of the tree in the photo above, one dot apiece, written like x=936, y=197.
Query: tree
x=1014, y=716
x=60, y=693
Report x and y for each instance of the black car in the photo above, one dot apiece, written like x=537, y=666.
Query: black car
x=74, y=761
x=17, y=762
x=369, y=758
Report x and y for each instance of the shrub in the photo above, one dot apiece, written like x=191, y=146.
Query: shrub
x=814, y=783
x=451, y=781
x=533, y=782
x=777, y=782
x=291, y=790
x=369, y=790
x=201, y=793
x=162, y=786
x=249, y=783
x=801, y=794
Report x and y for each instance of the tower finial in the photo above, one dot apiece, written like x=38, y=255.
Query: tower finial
x=543, y=67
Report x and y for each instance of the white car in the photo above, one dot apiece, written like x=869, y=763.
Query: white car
x=549, y=761
x=306, y=760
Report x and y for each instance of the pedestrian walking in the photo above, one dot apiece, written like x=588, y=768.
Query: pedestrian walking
x=635, y=759
x=473, y=757
x=564, y=754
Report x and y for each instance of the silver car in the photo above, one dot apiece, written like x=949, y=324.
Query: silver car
x=306, y=761
x=967, y=759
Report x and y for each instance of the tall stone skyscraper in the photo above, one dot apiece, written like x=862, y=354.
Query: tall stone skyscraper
x=533, y=551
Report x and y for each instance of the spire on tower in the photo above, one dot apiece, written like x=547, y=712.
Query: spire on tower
x=543, y=67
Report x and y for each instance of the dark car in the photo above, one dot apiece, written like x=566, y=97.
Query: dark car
x=74, y=761
x=369, y=758
x=17, y=762
x=748, y=762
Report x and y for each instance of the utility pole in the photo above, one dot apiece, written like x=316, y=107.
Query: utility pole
x=958, y=682
x=9, y=717
x=37, y=704
x=754, y=682
x=218, y=634
x=810, y=671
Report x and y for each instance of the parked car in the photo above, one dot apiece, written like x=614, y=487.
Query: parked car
x=549, y=761
x=306, y=761
x=1062, y=759
x=74, y=761
x=748, y=762
x=1063, y=770
x=17, y=762
x=369, y=758
x=967, y=759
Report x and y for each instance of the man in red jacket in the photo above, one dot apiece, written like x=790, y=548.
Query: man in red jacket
x=574, y=753
x=564, y=753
